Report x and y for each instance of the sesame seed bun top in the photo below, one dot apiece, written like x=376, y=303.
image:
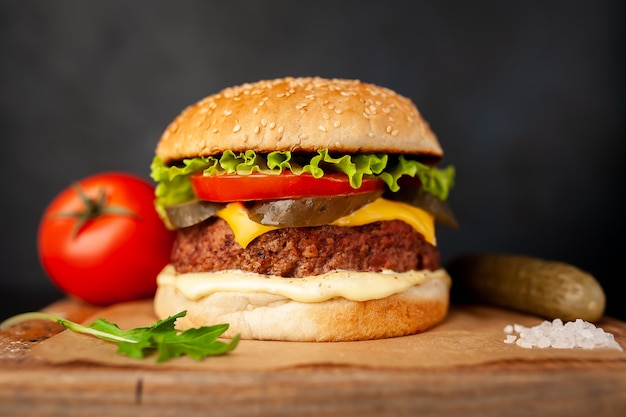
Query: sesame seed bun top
x=300, y=114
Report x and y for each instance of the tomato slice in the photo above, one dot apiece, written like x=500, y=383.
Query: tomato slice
x=232, y=187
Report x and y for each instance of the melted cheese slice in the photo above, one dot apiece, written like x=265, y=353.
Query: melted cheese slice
x=246, y=230
x=381, y=210
x=356, y=286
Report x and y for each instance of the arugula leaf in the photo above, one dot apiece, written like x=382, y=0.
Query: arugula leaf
x=140, y=342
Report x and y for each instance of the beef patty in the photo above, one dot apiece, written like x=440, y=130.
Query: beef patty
x=298, y=252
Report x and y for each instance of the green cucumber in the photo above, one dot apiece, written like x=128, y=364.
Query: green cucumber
x=191, y=212
x=308, y=211
x=544, y=288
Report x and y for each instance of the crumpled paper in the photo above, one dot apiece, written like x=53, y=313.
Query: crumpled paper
x=469, y=336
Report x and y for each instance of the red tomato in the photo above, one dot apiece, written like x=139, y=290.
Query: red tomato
x=226, y=188
x=116, y=254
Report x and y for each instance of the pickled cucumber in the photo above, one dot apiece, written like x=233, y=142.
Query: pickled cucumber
x=191, y=212
x=308, y=211
x=545, y=288
x=417, y=197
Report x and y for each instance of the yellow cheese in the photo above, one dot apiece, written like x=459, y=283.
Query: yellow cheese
x=246, y=230
x=356, y=286
x=382, y=210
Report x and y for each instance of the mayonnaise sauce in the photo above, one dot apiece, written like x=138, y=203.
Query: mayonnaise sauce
x=356, y=286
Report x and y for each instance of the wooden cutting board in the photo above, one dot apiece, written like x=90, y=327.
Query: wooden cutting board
x=579, y=383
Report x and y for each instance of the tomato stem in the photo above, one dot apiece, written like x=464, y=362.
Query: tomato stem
x=93, y=208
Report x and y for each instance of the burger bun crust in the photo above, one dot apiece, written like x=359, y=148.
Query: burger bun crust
x=300, y=115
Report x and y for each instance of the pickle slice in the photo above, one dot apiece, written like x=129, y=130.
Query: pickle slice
x=426, y=201
x=191, y=212
x=308, y=211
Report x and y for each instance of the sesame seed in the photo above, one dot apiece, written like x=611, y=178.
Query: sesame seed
x=216, y=130
x=337, y=123
x=272, y=125
x=264, y=122
x=338, y=111
x=322, y=128
x=236, y=129
x=257, y=129
x=389, y=129
x=371, y=134
x=394, y=133
x=367, y=116
x=303, y=136
x=325, y=116
x=281, y=129
x=255, y=110
x=228, y=112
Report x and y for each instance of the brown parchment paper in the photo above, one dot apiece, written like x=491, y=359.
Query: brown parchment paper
x=470, y=335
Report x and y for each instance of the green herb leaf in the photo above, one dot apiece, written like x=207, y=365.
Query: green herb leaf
x=160, y=337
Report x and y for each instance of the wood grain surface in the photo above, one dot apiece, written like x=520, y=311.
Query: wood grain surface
x=30, y=387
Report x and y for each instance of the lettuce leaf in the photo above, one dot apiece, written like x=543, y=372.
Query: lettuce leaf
x=173, y=185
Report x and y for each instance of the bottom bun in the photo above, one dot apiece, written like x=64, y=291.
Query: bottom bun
x=264, y=316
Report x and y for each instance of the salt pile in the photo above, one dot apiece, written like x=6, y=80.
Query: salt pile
x=555, y=334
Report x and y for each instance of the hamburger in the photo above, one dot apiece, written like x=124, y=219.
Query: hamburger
x=305, y=210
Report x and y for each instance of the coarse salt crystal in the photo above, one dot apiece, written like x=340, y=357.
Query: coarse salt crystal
x=559, y=335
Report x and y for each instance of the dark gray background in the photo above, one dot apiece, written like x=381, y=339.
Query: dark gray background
x=527, y=99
